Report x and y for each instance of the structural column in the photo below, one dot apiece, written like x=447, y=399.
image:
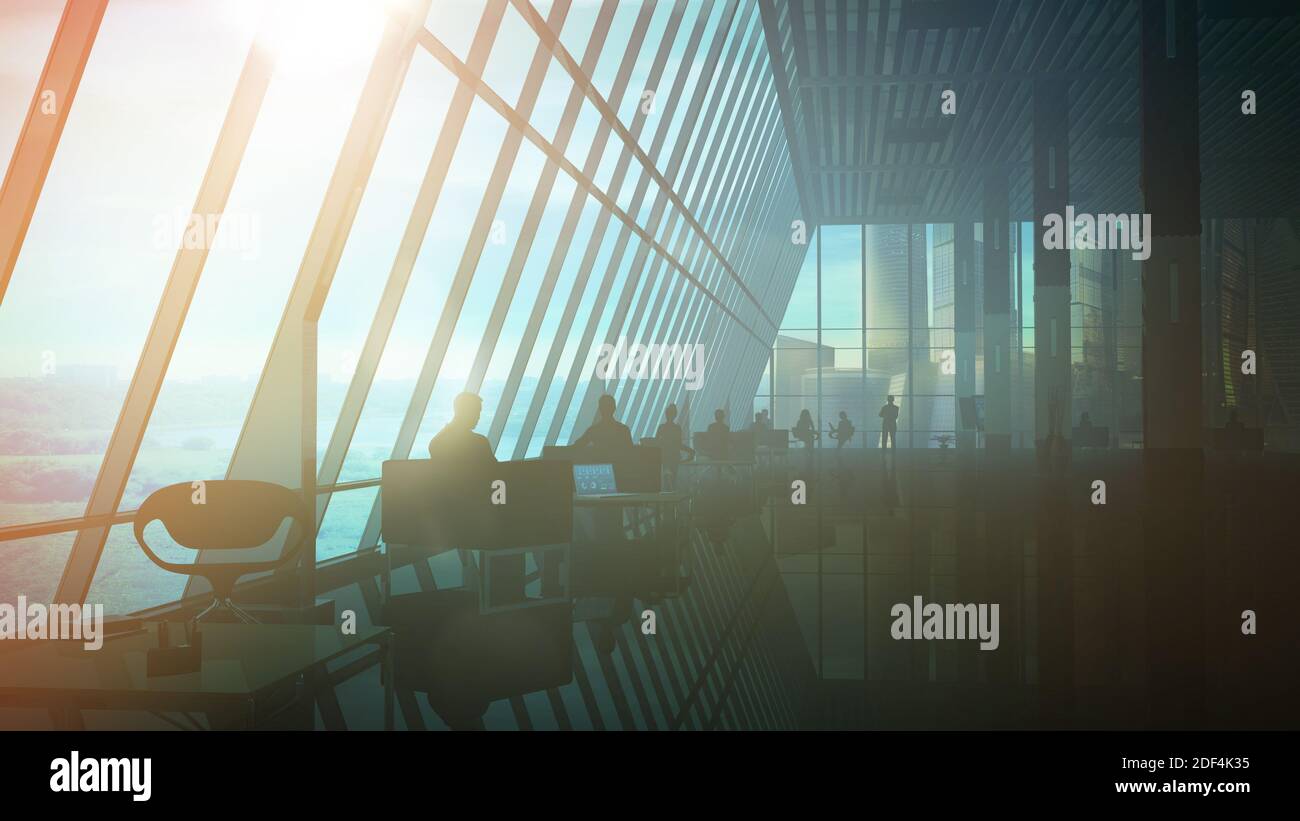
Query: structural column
x=964, y=324
x=1051, y=167
x=1052, y=400
x=1003, y=537
x=1171, y=363
x=997, y=315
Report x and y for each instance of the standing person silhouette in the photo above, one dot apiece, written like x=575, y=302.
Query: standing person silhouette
x=889, y=423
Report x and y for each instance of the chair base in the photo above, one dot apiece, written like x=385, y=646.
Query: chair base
x=219, y=604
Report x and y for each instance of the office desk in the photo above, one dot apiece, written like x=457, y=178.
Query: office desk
x=630, y=500
x=607, y=526
x=243, y=665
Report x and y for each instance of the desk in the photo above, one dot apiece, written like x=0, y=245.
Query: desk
x=655, y=500
x=243, y=665
x=594, y=560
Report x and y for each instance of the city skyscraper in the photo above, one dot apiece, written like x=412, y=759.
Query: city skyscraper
x=888, y=297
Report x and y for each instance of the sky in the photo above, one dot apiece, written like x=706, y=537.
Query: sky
x=133, y=154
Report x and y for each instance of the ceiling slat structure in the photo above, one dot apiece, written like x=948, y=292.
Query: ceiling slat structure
x=867, y=78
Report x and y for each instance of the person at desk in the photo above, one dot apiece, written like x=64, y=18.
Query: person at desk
x=841, y=433
x=759, y=425
x=719, y=426
x=669, y=439
x=719, y=434
x=457, y=445
x=889, y=423
x=606, y=433
x=806, y=432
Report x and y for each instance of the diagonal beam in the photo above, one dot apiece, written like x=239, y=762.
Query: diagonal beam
x=46, y=117
x=278, y=440
x=170, y=316
x=408, y=251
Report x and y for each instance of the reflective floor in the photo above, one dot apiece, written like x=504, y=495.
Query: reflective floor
x=1158, y=598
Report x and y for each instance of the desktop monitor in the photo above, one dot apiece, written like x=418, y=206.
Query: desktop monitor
x=593, y=479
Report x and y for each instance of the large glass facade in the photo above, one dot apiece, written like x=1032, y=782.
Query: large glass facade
x=524, y=184
x=852, y=304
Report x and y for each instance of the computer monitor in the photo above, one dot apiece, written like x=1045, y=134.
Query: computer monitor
x=592, y=479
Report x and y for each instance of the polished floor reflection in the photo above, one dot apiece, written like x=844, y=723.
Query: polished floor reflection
x=746, y=610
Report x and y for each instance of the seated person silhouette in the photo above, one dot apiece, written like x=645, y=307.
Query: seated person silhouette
x=669, y=439
x=606, y=433
x=719, y=434
x=457, y=445
x=804, y=431
x=843, y=432
x=719, y=425
x=759, y=424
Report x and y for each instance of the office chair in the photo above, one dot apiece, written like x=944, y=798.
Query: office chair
x=235, y=514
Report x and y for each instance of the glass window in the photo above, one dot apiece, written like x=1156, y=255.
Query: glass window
x=381, y=221
x=454, y=22
x=511, y=342
x=75, y=316
x=26, y=34
x=512, y=55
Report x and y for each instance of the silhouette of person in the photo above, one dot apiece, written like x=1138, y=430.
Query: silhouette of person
x=767, y=420
x=804, y=431
x=457, y=445
x=759, y=426
x=606, y=432
x=669, y=439
x=719, y=423
x=719, y=432
x=843, y=432
x=889, y=423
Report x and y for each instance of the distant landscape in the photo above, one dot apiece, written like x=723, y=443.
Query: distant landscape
x=53, y=434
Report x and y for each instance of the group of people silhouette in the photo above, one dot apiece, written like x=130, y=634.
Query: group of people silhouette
x=457, y=443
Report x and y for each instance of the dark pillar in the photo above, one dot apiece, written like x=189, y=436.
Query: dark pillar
x=1171, y=364
x=1052, y=398
x=1055, y=554
x=963, y=253
x=1003, y=539
x=997, y=315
